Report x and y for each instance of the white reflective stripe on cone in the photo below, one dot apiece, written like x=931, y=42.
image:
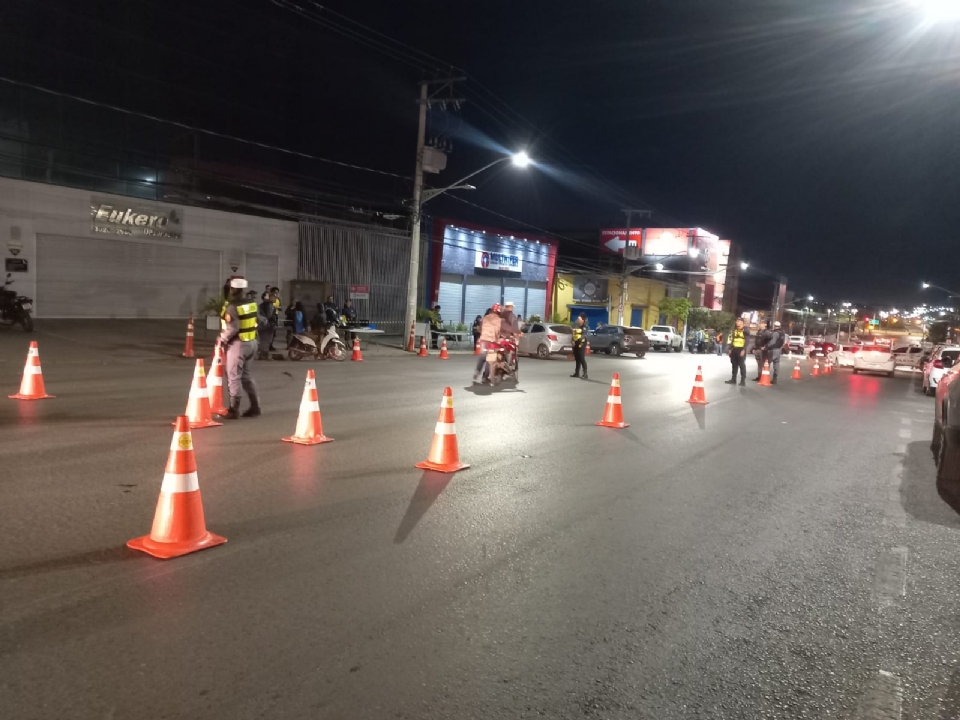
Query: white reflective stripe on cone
x=174, y=483
x=32, y=370
x=311, y=384
x=446, y=428
x=33, y=352
x=309, y=406
x=698, y=383
x=197, y=393
x=615, y=383
x=178, y=444
x=613, y=400
x=446, y=402
x=215, y=381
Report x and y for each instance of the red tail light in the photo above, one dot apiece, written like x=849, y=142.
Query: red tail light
x=552, y=337
x=938, y=364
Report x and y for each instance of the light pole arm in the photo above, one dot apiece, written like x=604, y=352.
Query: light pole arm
x=433, y=192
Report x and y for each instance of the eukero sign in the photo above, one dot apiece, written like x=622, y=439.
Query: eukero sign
x=138, y=220
x=498, y=261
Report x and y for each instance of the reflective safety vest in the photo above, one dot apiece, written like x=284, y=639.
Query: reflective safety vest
x=247, y=316
x=577, y=335
x=737, y=340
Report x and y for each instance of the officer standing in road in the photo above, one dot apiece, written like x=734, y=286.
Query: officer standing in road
x=580, y=331
x=738, y=352
x=760, y=349
x=238, y=337
x=774, y=345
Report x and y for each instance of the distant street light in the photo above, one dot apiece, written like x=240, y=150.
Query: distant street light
x=951, y=293
x=810, y=298
x=744, y=265
x=520, y=159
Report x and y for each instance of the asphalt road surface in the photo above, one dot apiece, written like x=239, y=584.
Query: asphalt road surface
x=779, y=553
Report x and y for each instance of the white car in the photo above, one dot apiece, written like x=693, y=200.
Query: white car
x=665, y=337
x=874, y=358
x=943, y=358
x=544, y=340
x=908, y=355
x=844, y=356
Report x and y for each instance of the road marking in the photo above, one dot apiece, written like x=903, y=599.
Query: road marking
x=883, y=699
x=895, y=512
x=905, y=433
x=890, y=581
x=906, y=421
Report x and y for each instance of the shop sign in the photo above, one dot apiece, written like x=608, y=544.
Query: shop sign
x=498, y=261
x=136, y=220
x=589, y=289
x=16, y=265
x=614, y=240
x=359, y=292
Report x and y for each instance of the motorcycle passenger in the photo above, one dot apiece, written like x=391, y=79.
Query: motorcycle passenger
x=510, y=328
x=580, y=331
x=238, y=336
x=489, y=333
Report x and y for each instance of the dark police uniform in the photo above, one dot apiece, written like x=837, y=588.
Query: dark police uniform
x=738, y=354
x=579, y=349
x=760, y=350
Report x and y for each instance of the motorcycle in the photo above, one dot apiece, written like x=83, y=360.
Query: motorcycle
x=502, y=359
x=15, y=309
x=331, y=346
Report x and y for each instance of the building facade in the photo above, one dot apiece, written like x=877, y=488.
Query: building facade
x=598, y=298
x=471, y=267
x=81, y=254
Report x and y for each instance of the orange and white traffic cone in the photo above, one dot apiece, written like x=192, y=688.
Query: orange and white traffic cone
x=357, y=355
x=829, y=367
x=588, y=351
x=444, y=355
x=215, y=386
x=31, y=385
x=444, y=455
x=423, y=347
x=412, y=339
x=765, y=375
x=816, y=369
x=697, y=394
x=476, y=348
x=309, y=425
x=178, y=524
x=613, y=413
x=796, y=372
x=198, y=404
x=188, y=345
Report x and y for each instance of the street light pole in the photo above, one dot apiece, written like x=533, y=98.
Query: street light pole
x=413, y=280
x=624, y=274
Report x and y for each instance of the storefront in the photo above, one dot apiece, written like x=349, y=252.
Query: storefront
x=471, y=267
x=597, y=298
x=88, y=255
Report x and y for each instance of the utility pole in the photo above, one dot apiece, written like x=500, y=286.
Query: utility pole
x=624, y=274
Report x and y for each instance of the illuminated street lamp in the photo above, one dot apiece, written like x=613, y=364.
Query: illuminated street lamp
x=744, y=265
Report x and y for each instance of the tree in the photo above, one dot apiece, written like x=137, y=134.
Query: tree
x=722, y=321
x=677, y=308
x=698, y=318
x=937, y=332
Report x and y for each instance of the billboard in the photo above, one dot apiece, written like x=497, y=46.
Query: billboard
x=614, y=240
x=663, y=242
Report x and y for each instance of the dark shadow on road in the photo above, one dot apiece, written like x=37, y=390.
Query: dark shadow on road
x=631, y=435
x=700, y=413
x=921, y=494
x=432, y=483
x=93, y=557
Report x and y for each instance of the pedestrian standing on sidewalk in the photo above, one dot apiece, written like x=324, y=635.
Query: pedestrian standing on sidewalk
x=738, y=353
x=719, y=340
x=580, y=345
x=489, y=333
x=476, y=330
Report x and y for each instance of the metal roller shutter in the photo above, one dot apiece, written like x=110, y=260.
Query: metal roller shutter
x=537, y=300
x=481, y=293
x=262, y=270
x=450, y=298
x=102, y=278
x=516, y=290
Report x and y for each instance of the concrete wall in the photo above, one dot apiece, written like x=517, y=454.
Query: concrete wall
x=30, y=209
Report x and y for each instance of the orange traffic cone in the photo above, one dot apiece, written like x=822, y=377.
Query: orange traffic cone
x=198, y=404
x=587, y=351
x=178, y=524
x=796, y=371
x=816, y=369
x=215, y=387
x=697, y=395
x=444, y=455
x=829, y=367
x=476, y=348
x=765, y=375
x=444, y=355
x=423, y=347
x=412, y=339
x=309, y=425
x=31, y=385
x=613, y=413
x=357, y=355
x=188, y=345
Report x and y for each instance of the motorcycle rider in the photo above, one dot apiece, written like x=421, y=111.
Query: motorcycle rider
x=510, y=328
x=489, y=332
x=238, y=336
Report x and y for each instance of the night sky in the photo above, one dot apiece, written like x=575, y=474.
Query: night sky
x=821, y=136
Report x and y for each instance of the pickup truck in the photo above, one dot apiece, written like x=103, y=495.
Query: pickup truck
x=664, y=337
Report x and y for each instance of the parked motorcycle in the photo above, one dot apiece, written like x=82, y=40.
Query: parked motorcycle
x=502, y=358
x=15, y=309
x=331, y=347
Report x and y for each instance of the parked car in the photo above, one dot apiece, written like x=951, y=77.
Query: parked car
x=619, y=340
x=545, y=340
x=946, y=432
x=822, y=349
x=795, y=345
x=908, y=355
x=943, y=389
x=844, y=355
x=664, y=337
x=874, y=358
x=942, y=360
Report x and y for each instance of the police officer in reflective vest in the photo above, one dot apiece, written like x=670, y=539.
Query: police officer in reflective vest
x=238, y=336
x=738, y=352
x=580, y=331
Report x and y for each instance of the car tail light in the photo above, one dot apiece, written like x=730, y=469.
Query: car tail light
x=938, y=364
x=552, y=337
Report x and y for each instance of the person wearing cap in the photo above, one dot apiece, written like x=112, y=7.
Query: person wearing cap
x=774, y=345
x=489, y=332
x=760, y=349
x=738, y=352
x=580, y=330
x=510, y=327
x=238, y=337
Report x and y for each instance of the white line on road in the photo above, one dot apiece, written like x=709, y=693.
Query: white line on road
x=906, y=421
x=883, y=699
x=890, y=581
x=905, y=433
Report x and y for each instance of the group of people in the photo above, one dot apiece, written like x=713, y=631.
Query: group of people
x=496, y=324
x=767, y=348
